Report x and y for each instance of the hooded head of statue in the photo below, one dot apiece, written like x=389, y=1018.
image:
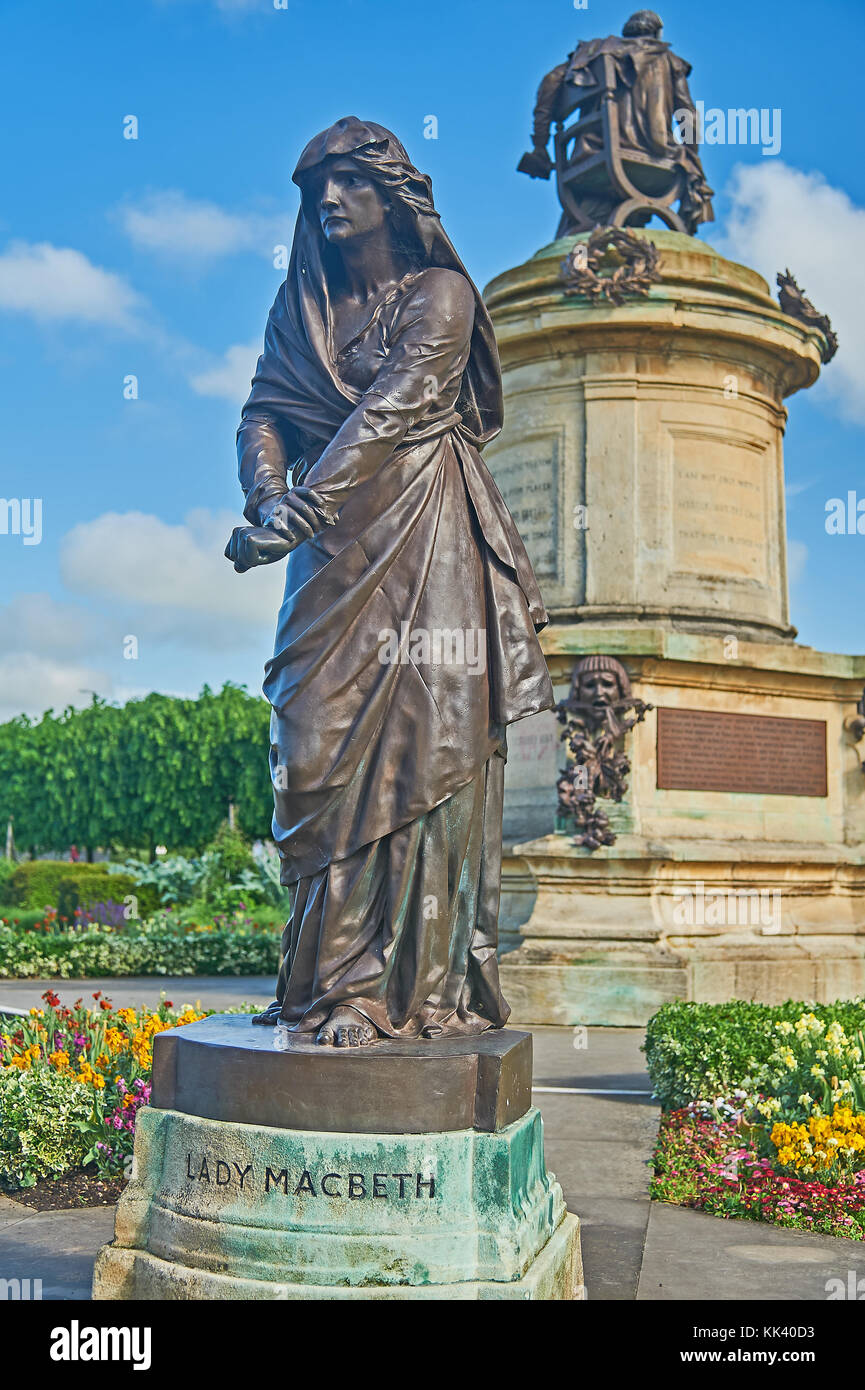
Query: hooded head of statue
x=297, y=374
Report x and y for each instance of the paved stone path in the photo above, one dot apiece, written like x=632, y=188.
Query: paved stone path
x=600, y=1121
x=214, y=991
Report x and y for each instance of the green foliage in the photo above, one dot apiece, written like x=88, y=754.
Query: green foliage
x=7, y=869
x=227, y=875
x=812, y=1068
x=46, y=1120
x=174, y=879
x=162, y=946
x=160, y=770
x=701, y=1051
x=42, y=883
x=228, y=872
x=21, y=916
x=267, y=869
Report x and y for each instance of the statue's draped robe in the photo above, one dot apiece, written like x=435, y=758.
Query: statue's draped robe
x=388, y=773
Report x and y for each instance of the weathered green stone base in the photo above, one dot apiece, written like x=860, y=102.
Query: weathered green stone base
x=134, y=1274
x=221, y=1210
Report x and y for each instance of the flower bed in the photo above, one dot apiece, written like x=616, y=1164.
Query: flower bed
x=700, y=1161
x=787, y=1142
x=71, y=1083
x=168, y=944
x=695, y=1051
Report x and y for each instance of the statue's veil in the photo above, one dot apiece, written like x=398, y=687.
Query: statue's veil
x=296, y=377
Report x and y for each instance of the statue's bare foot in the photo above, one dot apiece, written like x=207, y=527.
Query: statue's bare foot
x=346, y=1028
x=270, y=1017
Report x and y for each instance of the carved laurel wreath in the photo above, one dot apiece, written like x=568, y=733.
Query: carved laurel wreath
x=638, y=266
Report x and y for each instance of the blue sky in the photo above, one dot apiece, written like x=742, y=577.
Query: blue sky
x=153, y=258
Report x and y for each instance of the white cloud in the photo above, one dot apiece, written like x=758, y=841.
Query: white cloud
x=173, y=224
x=172, y=577
x=797, y=558
x=797, y=488
x=57, y=282
x=134, y=575
x=231, y=377
x=30, y=684
x=43, y=626
x=782, y=217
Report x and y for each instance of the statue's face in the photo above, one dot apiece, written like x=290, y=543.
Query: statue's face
x=349, y=204
x=599, y=689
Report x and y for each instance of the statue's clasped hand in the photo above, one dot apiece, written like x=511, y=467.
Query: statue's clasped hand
x=297, y=516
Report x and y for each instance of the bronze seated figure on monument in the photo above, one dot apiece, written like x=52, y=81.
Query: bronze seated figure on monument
x=620, y=162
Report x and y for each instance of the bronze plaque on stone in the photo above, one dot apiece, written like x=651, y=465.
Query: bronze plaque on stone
x=711, y=751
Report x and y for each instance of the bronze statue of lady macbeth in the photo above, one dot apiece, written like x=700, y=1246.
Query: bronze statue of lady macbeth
x=406, y=640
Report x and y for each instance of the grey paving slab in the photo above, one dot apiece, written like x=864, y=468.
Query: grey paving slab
x=612, y=1232
x=212, y=991
x=12, y=1212
x=601, y=1057
x=599, y=1118
x=598, y=1146
x=691, y=1255
x=56, y=1247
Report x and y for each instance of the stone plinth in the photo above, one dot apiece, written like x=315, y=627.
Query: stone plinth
x=663, y=420
x=642, y=458
x=221, y=1208
x=607, y=937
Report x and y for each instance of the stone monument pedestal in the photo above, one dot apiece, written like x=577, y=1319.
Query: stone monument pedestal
x=642, y=459
x=268, y=1168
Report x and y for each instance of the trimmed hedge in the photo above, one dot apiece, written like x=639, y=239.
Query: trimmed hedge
x=702, y=1051
x=42, y=883
x=140, y=949
x=21, y=916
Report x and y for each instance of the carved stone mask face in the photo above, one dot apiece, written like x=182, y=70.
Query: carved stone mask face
x=349, y=204
x=599, y=689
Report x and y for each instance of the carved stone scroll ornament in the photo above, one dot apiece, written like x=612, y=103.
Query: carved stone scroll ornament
x=597, y=714
x=612, y=265
x=793, y=302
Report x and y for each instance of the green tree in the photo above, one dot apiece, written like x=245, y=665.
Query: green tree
x=159, y=770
